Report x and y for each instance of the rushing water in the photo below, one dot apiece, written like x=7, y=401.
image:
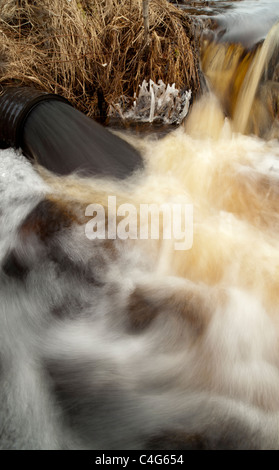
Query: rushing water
x=246, y=21
x=246, y=82
x=110, y=344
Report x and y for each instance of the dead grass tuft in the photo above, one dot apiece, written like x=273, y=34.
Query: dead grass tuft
x=92, y=51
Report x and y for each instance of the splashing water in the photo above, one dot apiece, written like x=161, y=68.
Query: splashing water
x=251, y=82
x=246, y=83
x=128, y=343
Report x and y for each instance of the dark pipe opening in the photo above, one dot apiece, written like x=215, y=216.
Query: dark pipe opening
x=60, y=138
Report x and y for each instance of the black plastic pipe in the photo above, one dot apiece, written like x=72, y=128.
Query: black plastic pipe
x=15, y=105
x=54, y=134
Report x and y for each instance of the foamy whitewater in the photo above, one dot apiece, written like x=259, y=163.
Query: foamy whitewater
x=110, y=344
x=127, y=345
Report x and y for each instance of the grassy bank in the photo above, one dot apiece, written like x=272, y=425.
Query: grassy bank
x=92, y=51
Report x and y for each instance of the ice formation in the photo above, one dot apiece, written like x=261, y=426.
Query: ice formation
x=154, y=103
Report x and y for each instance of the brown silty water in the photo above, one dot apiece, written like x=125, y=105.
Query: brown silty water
x=246, y=82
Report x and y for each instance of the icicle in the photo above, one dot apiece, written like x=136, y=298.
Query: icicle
x=155, y=102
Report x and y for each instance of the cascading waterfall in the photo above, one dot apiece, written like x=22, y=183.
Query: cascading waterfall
x=259, y=65
x=244, y=81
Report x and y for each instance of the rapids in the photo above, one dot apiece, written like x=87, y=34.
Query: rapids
x=131, y=344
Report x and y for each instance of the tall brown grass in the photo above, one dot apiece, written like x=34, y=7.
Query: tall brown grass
x=92, y=51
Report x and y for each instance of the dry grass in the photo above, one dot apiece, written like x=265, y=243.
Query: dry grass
x=92, y=51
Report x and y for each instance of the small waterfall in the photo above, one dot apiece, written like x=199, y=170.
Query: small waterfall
x=245, y=82
x=255, y=73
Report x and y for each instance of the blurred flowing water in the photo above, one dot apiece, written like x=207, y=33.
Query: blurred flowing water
x=246, y=21
x=132, y=344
